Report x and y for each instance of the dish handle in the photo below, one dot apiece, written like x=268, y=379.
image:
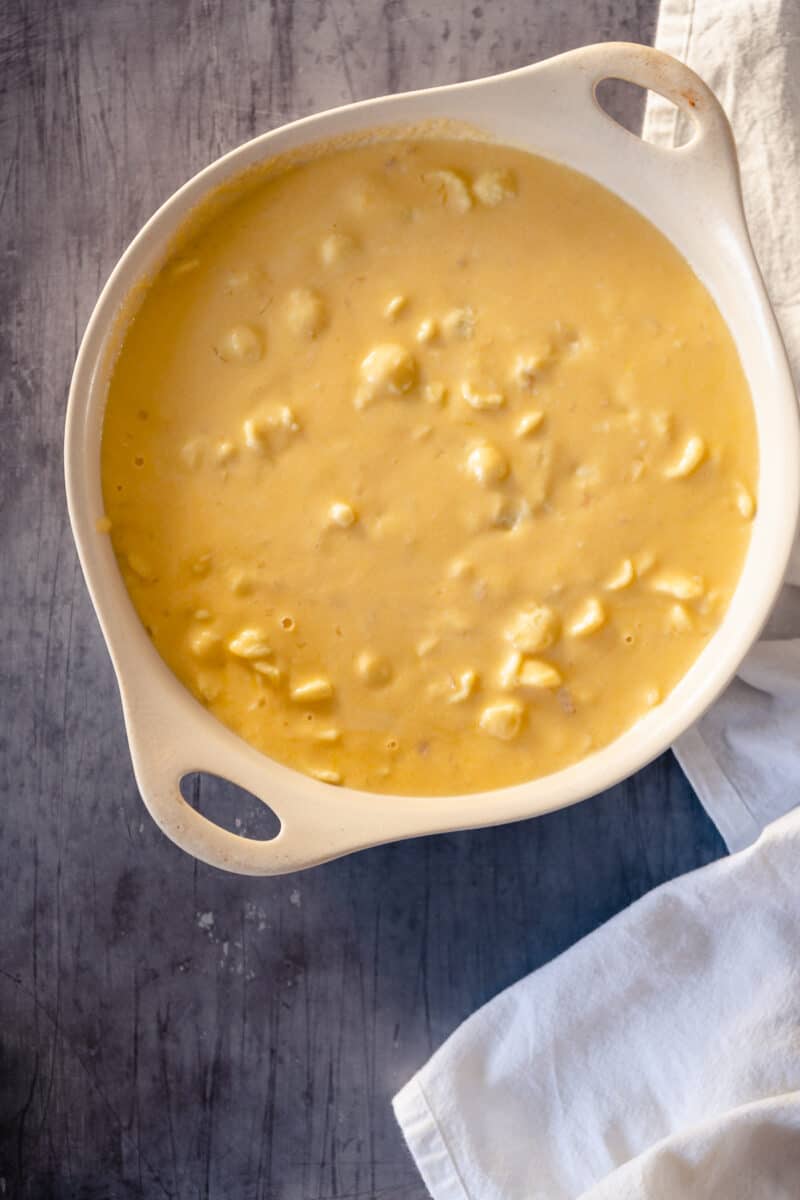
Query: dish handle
x=167, y=743
x=706, y=164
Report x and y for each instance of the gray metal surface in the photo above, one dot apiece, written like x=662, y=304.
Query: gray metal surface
x=166, y=1030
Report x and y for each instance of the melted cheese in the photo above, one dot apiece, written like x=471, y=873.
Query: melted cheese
x=429, y=465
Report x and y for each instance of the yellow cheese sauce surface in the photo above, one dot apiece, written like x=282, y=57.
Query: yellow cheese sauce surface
x=429, y=465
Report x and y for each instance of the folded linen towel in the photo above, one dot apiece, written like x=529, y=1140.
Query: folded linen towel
x=657, y=1059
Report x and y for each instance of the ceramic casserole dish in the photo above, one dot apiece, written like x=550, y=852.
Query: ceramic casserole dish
x=692, y=195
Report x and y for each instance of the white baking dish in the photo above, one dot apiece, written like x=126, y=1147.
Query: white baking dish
x=692, y=195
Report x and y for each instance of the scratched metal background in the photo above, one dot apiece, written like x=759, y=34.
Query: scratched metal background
x=166, y=1030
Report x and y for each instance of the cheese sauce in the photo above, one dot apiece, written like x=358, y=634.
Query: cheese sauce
x=429, y=465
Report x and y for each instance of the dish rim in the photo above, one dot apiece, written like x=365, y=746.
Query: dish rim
x=319, y=822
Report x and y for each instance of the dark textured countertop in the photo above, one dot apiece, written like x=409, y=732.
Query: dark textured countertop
x=167, y=1030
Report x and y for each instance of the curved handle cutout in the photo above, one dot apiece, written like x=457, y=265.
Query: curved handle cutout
x=229, y=806
x=623, y=101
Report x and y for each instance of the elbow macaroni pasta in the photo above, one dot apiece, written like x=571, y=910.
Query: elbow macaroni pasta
x=417, y=476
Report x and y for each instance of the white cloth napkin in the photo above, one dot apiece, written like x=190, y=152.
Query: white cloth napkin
x=659, y=1059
